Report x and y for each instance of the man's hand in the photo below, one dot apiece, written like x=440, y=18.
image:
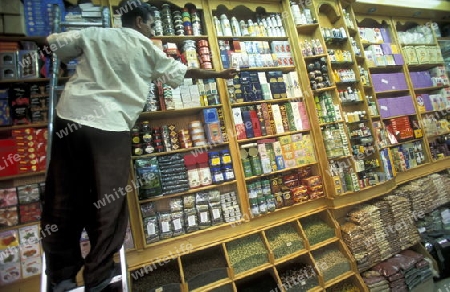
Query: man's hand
x=228, y=73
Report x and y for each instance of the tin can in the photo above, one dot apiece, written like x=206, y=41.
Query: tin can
x=207, y=65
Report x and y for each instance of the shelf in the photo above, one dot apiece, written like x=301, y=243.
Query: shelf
x=360, y=121
x=344, y=63
x=28, y=174
x=335, y=40
x=360, y=59
x=425, y=89
x=285, y=69
x=271, y=136
x=358, y=102
x=291, y=256
x=2, y=229
x=179, y=38
x=324, y=89
x=375, y=117
x=331, y=123
x=402, y=91
x=366, y=44
x=190, y=191
x=422, y=67
x=315, y=57
x=339, y=157
x=437, y=135
x=307, y=28
x=31, y=80
x=346, y=82
x=338, y=279
x=252, y=271
x=246, y=103
x=443, y=39
x=250, y=38
x=278, y=171
x=405, y=45
x=442, y=111
x=394, y=117
x=197, y=150
x=383, y=69
x=401, y=143
x=362, y=137
x=10, y=128
x=323, y=243
x=174, y=113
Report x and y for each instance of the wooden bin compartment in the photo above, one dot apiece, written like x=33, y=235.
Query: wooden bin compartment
x=264, y=281
x=349, y=284
x=298, y=274
x=229, y=287
x=284, y=240
x=333, y=262
x=204, y=267
x=157, y=276
x=319, y=227
x=247, y=253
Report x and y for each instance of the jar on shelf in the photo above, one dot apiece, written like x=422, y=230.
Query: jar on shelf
x=228, y=172
x=146, y=132
x=138, y=149
x=135, y=136
x=217, y=175
x=214, y=159
x=225, y=157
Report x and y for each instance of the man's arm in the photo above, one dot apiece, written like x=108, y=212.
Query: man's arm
x=204, y=74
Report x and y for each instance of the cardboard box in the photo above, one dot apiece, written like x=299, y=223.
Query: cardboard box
x=11, y=7
x=13, y=24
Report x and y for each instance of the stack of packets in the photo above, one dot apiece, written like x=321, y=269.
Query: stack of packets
x=402, y=272
x=20, y=253
x=388, y=225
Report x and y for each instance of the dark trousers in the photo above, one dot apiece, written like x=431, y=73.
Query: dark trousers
x=85, y=188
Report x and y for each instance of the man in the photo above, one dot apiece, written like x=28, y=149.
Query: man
x=90, y=156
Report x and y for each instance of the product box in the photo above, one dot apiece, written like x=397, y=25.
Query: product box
x=9, y=238
x=14, y=24
x=30, y=212
x=9, y=216
x=30, y=251
x=10, y=273
x=28, y=193
x=8, y=197
x=31, y=267
x=29, y=235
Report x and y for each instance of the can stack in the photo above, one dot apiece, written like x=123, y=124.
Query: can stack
x=197, y=133
x=204, y=54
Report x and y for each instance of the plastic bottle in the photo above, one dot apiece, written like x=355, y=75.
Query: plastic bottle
x=235, y=27
x=218, y=26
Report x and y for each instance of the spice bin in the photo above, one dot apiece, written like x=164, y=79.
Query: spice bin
x=299, y=274
x=284, y=240
x=158, y=276
x=331, y=262
x=246, y=253
x=318, y=227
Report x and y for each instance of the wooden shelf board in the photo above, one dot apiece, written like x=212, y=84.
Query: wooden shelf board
x=213, y=285
x=174, y=113
x=339, y=83
x=272, y=136
x=22, y=175
x=366, y=44
x=443, y=39
x=285, y=69
x=60, y=79
x=422, y=170
x=291, y=256
x=394, y=117
x=358, y=102
x=315, y=289
x=191, y=191
x=279, y=171
x=19, y=285
x=401, y=143
x=437, y=135
x=179, y=38
x=414, y=45
x=339, y=157
x=307, y=28
x=266, y=101
x=250, y=38
x=183, y=150
x=343, y=63
x=18, y=226
x=367, y=194
x=331, y=123
x=324, y=243
x=324, y=89
x=360, y=121
x=382, y=69
x=16, y=127
x=435, y=111
x=341, y=278
x=392, y=92
x=424, y=89
x=315, y=57
x=360, y=137
x=252, y=271
x=439, y=159
x=375, y=117
x=420, y=67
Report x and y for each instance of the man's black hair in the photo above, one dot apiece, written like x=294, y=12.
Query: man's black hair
x=130, y=9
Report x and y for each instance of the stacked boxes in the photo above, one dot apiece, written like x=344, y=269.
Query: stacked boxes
x=421, y=79
x=31, y=148
x=434, y=102
x=389, y=81
x=212, y=126
x=383, y=55
x=396, y=106
x=422, y=55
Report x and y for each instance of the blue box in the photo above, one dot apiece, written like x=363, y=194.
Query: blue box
x=210, y=115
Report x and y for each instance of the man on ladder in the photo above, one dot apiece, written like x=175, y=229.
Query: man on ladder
x=87, y=176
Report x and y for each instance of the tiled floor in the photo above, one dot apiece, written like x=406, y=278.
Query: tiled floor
x=442, y=286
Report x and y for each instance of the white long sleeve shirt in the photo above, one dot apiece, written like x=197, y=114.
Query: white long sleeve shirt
x=111, y=83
